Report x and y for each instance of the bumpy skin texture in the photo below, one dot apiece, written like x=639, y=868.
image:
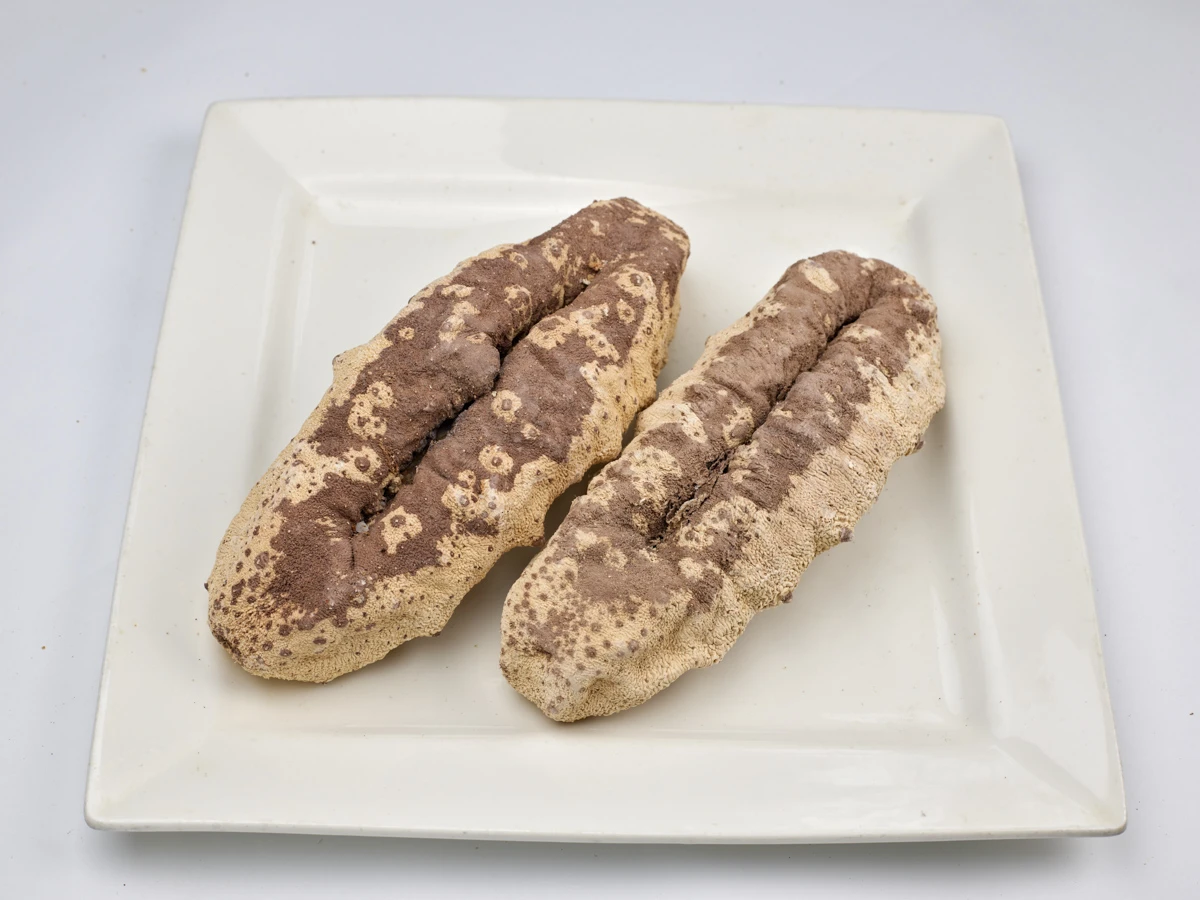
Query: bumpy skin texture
x=353, y=543
x=764, y=454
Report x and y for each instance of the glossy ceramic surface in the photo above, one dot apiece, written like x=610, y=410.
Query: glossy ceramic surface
x=938, y=677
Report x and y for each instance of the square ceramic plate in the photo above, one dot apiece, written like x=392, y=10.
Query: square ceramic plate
x=939, y=677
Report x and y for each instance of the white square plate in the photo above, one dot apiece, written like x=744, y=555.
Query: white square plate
x=939, y=677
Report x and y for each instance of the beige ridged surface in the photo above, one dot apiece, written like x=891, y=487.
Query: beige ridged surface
x=764, y=454
x=353, y=541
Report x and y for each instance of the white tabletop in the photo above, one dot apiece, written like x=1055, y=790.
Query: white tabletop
x=99, y=115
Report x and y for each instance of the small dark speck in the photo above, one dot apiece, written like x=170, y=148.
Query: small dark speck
x=143, y=70
x=43, y=646
x=314, y=243
x=245, y=74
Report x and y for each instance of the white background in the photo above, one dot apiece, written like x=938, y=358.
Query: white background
x=100, y=109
